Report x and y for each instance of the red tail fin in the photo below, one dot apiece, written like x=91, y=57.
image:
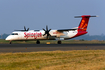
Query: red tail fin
x=83, y=25
x=84, y=22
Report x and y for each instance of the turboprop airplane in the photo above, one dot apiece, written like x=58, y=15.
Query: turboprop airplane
x=49, y=34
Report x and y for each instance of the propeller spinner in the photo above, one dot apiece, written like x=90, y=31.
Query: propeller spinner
x=47, y=32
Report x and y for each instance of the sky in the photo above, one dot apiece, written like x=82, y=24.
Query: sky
x=57, y=14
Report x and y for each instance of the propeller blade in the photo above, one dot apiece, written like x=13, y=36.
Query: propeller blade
x=24, y=28
x=44, y=34
x=27, y=29
x=49, y=29
x=44, y=29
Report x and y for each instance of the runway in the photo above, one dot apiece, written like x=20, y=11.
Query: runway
x=48, y=47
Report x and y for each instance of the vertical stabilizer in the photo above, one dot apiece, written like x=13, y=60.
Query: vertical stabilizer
x=84, y=22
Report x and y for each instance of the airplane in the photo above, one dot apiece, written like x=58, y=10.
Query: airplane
x=49, y=34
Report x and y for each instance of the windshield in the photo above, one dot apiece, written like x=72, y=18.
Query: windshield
x=14, y=34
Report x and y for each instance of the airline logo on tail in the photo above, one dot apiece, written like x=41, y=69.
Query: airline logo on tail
x=84, y=22
x=83, y=25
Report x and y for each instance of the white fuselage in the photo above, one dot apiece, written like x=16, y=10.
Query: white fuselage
x=38, y=35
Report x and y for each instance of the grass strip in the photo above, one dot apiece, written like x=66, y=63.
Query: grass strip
x=54, y=60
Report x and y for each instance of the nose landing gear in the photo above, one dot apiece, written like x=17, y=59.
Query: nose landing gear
x=10, y=42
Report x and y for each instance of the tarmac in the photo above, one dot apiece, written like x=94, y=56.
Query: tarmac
x=13, y=48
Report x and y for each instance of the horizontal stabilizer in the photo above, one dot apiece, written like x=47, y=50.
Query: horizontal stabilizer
x=85, y=16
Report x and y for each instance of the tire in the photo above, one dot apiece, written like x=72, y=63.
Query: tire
x=10, y=42
x=37, y=42
x=59, y=42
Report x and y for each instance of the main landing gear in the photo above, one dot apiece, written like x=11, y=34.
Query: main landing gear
x=59, y=42
x=37, y=42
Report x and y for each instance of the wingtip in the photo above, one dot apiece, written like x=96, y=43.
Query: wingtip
x=97, y=16
x=94, y=16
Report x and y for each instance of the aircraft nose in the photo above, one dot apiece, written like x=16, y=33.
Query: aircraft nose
x=8, y=38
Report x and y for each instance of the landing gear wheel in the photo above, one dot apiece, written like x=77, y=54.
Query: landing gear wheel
x=37, y=42
x=10, y=42
x=59, y=42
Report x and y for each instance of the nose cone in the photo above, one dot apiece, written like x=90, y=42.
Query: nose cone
x=8, y=38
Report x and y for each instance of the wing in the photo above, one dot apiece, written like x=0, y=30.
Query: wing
x=73, y=29
x=60, y=30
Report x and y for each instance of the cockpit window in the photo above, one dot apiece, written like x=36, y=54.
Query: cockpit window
x=14, y=34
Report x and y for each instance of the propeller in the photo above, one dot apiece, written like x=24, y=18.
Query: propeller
x=47, y=32
x=24, y=29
